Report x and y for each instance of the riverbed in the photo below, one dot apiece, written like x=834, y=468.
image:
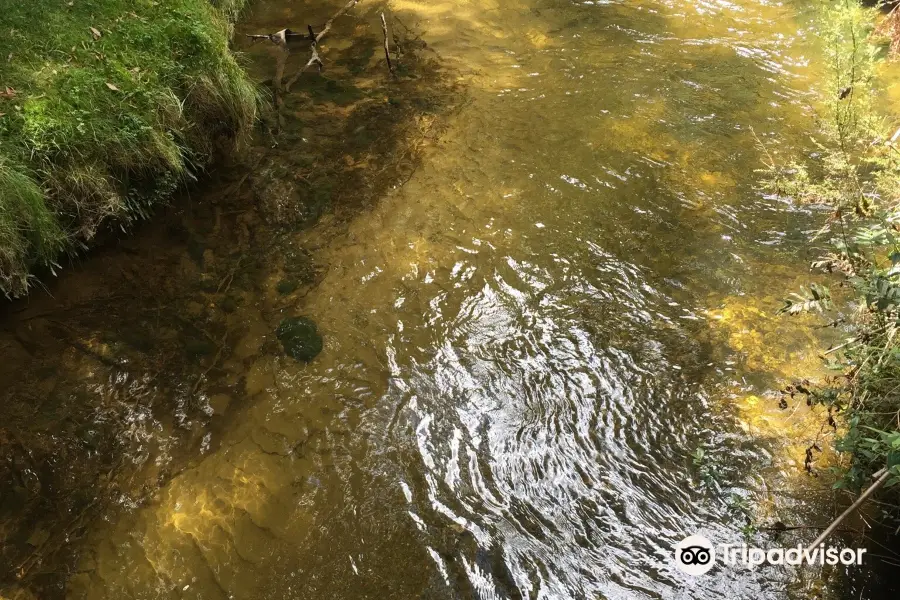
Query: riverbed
x=546, y=276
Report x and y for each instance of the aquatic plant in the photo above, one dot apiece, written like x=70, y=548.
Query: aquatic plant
x=855, y=175
x=106, y=106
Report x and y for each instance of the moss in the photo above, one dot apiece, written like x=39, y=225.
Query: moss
x=107, y=106
x=300, y=338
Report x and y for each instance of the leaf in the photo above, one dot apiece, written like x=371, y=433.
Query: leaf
x=95, y=32
x=832, y=262
x=817, y=298
x=874, y=235
x=893, y=459
x=8, y=93
x=112, y=87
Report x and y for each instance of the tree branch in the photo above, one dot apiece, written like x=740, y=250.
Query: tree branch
x=387, y=51
x=280, y=38
x=882, y=476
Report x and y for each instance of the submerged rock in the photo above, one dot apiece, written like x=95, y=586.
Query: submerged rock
x=300, y=338
x=286, y=286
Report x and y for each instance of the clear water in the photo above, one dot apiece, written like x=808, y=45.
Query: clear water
x=527, y=340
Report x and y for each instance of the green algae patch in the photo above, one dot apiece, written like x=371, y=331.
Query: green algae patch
x=106, y=106
x=300, y=338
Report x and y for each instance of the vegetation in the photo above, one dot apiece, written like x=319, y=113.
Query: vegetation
x=855, y=175
x=105, y=107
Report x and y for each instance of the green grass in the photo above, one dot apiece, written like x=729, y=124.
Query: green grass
x=98, y=129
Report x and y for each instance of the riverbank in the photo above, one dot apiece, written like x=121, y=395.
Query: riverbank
x=855, y=177
x=853, y=180
x=106, y=108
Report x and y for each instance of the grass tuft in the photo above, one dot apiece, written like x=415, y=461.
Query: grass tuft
x=29, y=232
x=105, y=105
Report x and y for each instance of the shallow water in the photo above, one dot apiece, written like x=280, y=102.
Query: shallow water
x=527, y=339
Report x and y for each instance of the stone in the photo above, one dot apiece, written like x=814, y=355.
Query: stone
x=300, y=338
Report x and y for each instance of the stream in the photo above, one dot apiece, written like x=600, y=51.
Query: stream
x=545, y=274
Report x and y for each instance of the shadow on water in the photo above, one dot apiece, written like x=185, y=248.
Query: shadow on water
x=549, y=301
x=113, y=378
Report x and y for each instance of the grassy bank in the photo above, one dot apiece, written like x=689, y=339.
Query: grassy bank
x=105, y=107
x=854, y=177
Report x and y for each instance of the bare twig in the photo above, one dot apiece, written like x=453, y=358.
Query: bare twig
x=229, y=278
x=314, y=59
x=896, y=135
x=212, y=365
x=387, y=50
x=329, y=22
x=844, y=345
x=280, y=39
x=783, y=527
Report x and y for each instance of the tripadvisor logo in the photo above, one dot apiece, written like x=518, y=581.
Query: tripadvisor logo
x=696, y=555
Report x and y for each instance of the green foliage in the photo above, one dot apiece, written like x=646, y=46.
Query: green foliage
x=816, y=299
x=855, y=173
x=707, y=469
x=713, y=480
x=107, y=105
x=29, y=233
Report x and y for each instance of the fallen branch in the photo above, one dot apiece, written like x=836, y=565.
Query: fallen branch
x=314, y=59
x=280, y=39
x=387, y=51
x=882, y=476
x=778, y=529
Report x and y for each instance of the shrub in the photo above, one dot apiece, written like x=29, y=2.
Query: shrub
x=855, y=175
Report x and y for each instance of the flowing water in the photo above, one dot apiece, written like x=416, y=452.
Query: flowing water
x=527, y=338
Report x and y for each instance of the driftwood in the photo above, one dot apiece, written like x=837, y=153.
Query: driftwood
x=281, y=38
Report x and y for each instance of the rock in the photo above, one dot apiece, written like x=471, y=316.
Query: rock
x=279, y=200
x=300, y=338
x=286, y=286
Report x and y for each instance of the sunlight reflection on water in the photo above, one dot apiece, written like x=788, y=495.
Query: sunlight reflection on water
x=520, y=361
